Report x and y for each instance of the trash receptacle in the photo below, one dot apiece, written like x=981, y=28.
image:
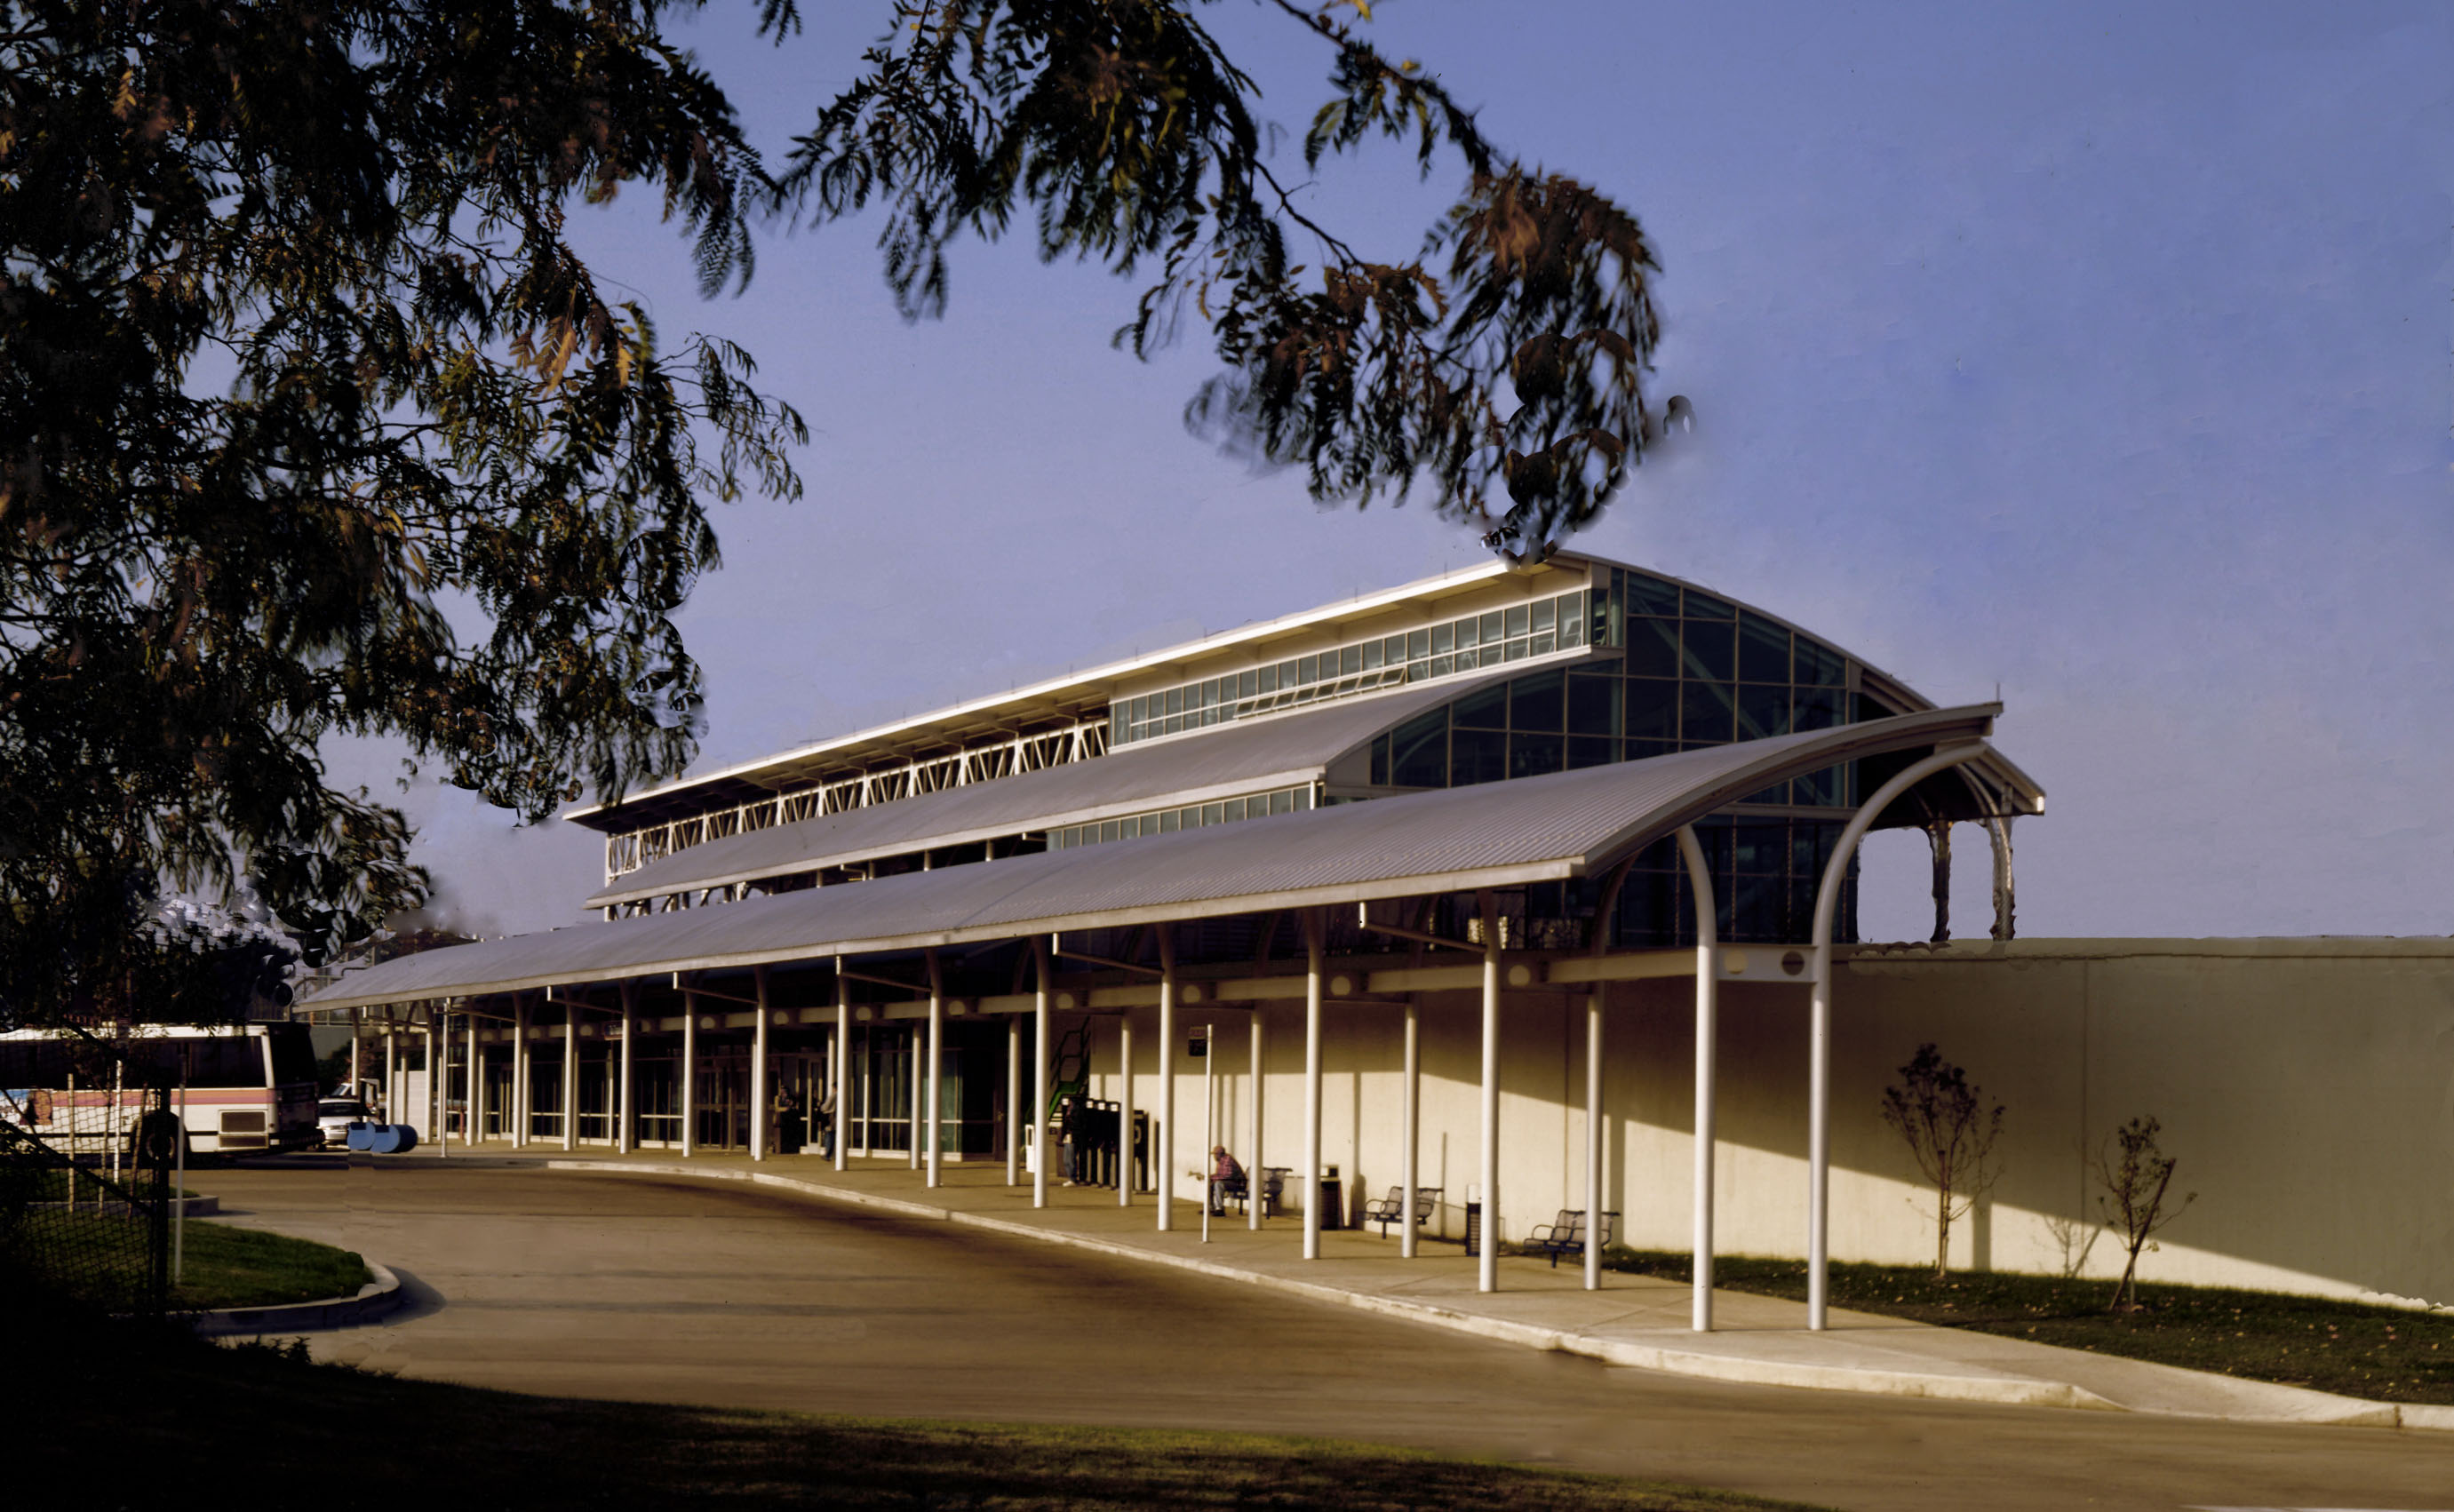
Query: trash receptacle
x=1474, y=1228
x=1333, y=1200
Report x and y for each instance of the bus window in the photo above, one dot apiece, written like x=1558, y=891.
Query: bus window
x=294, y=1054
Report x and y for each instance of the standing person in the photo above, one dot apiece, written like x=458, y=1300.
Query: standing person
x=1226, y=1177
x=826, y=1116
x=784, y=1131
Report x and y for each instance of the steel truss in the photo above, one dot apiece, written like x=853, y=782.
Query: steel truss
x=1082, y=740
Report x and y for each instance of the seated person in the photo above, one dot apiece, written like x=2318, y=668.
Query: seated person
x=1225, y=1177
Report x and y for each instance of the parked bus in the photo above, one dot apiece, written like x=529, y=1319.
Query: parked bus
x=237, y=1086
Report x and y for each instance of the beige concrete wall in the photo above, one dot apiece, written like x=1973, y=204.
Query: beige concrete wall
x=2307, y=1087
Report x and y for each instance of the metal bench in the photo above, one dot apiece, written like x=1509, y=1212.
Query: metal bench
x=1392, y=1209
x=1565, y=1235
x=1274, y=1184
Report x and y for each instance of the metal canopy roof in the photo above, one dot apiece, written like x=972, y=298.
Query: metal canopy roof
x=1455, y=839
x=1221, y=762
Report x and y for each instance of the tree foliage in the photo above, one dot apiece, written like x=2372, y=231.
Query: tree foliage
x=1501, y=366
x=313, y=422
x=1950, y=1127
x=2134, y=1173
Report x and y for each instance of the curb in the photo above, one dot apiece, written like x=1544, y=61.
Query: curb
x=376, y=1298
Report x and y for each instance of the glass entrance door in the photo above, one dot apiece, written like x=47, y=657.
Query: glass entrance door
x=724, y=1101
x=881, y=1112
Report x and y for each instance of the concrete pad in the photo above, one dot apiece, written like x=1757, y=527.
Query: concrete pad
x=1631, y=1321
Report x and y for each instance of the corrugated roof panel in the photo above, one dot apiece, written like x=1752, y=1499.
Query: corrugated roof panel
x=1278, y=751
x=1567, y=824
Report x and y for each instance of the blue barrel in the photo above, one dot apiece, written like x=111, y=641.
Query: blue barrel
x=394, y=1139
x=362, y=1135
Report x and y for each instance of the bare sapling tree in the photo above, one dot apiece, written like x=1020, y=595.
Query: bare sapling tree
x=2136, y=1175
x=1950, y=1128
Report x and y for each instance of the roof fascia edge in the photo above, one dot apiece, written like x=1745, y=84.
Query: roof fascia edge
x=1553, y=869
x=1874, y=737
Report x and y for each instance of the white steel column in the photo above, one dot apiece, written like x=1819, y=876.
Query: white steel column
x=1013, y=1099
x=2004, y=904
x=392, y=1074
x=477, y=1129
x=919, y=1080
x=841, y=1070
x=1163, y=1136
x=1819, y=1091
x=1410, y=1160
x=1310, y=1176
x=689, y=1072
x=936, y=1069
x=1593, y=1138
x=1039, y=1078
x=438, y=1076
x=569, y=1074
x=758, y=1130
x=1255, y=1182
x=1125, y=1108
x=358, y=1029
x=1487, y=1262
x=433, y=1097
x=625, y=1112
x=1708, y=996
x=518, y=1117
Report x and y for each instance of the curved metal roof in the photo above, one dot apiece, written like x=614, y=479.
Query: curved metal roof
x=1221, y=762
x=1454, y=839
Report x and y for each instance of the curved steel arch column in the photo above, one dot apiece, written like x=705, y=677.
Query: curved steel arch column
x=1708, y=985
x=1818, y=1094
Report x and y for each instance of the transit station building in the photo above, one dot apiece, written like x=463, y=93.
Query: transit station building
x=1529, y=890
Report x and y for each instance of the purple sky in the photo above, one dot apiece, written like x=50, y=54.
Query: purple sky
x=2099, y=352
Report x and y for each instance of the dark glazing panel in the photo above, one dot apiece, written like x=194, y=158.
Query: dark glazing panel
x=1420, y=752
x=1761, y=849
x=1704, y=714
x=1651, y=595
x=1476, y=755
x=1592, y=750
x=1653, y=711
x=1708, y=649
x=1817, y=709
x=1593, y=704
x=1763, y=650
x=1534, y=754
x=1820, y=666
x=1537, y=702
x=1653, y=648
x=1762, y=711
x=1486, y=708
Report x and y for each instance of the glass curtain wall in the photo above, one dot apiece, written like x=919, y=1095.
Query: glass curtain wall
x=1695, y=670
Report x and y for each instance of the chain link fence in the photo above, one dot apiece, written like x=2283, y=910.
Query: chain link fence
x=85, y=1204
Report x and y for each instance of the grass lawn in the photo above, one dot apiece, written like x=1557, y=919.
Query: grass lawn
x=244, y=1267
x=96, y=1256
x=154, y=1410
x=2386, y=1354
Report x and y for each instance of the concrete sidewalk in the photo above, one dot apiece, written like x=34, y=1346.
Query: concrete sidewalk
x=1634, y=1322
